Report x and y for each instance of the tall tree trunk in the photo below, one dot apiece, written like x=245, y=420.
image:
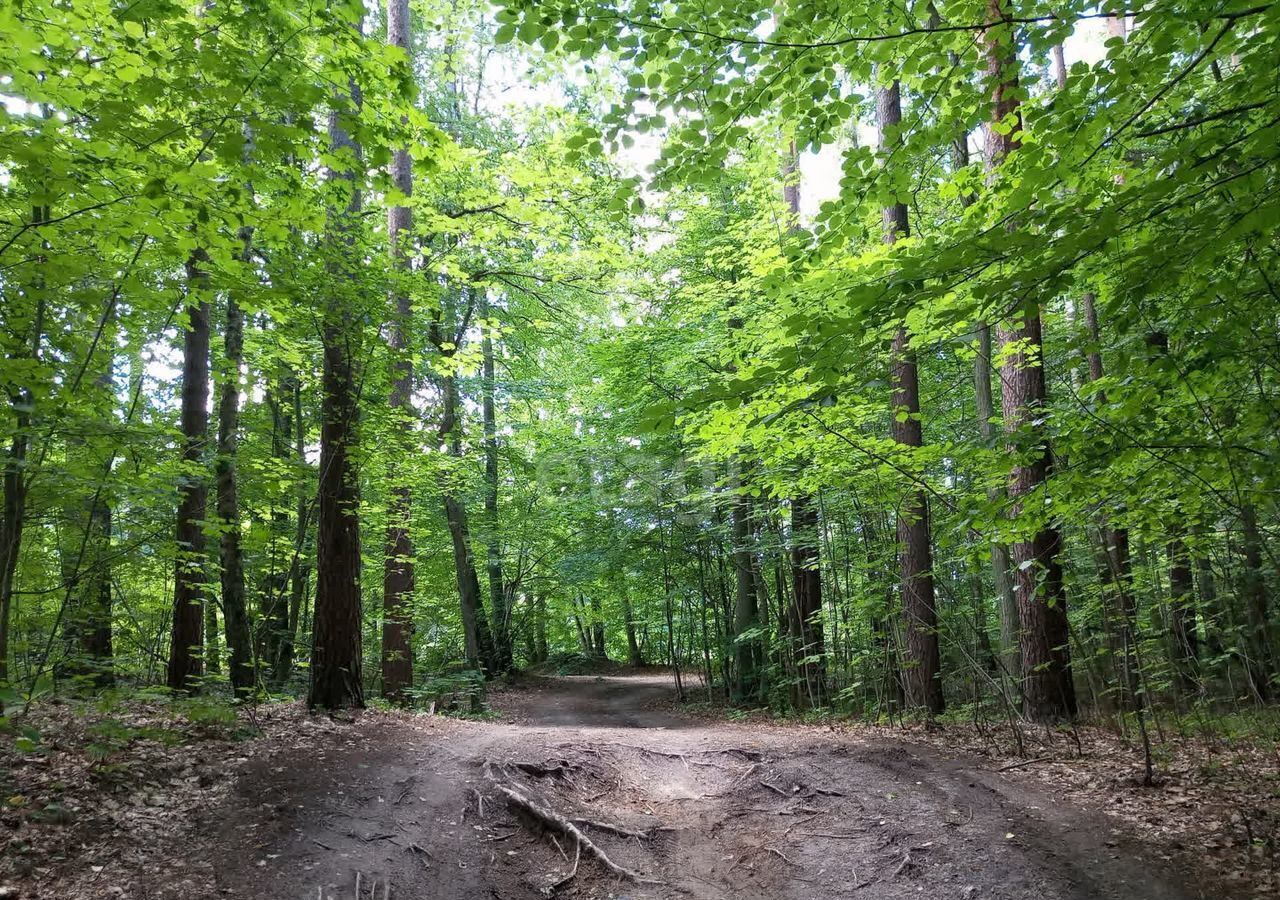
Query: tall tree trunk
x=634, y=657
x=274, y=608
x=1182, y=611
x=475, y=626
x=14, y=483
x=87, y=567
x=336, y=675
x=922, y=667
x=299, y=565
x=1001, y=564
x=1253, y=589
x=1118, y=571
x=806, y=576
x=1048, y=691
x=185, y=658
x=598, y=646
x=493, y=545
x=398, y=571
x=539, y=628
x=804, y=612
x=234, y=610
x=747, y=648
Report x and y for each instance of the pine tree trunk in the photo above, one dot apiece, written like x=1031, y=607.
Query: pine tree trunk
x=185, y=656
x=234, y=609
x=922, y=667
x=336, y=664
x=1047, y=688
x=398, y=565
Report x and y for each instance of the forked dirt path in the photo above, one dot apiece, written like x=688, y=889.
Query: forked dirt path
x=395, y=807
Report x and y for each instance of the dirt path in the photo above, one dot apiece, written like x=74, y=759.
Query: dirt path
x=412, y=808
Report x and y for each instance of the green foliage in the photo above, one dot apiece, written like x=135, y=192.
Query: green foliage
x=670, y=348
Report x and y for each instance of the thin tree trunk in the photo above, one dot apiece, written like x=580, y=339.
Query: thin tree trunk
x=1115, y=541
x=803, y=619
x=493, y=547
x=1048, y=690
x=747, y=649
x=398, y=569
x=234, y=610
x=922, y=667
x=1182, y=612
x=1253, y=589
x=299, y=566
x=336, y=674
x=807, y=604
x=634, y=657
x=475, y=626
x=185, y=658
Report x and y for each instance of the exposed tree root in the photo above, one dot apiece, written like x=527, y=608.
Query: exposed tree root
x=557, y=824
x=616, y=829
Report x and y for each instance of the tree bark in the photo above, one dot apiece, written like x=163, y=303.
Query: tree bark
x=804, y=611
x=336, y=674
x=747, y=650
x=477, y=637
x=922, y=667
x=234, y=606
x=1118, y=572
x=1182, y=612
x=806, y=606
x=398, y=580
x=1253, y=589
x=493, y=543
x=185, y=658
x=1048, y=691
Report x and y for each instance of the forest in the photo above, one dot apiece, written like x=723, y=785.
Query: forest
x=911, y=364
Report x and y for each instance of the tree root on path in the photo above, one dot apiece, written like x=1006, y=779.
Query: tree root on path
x=557, y=824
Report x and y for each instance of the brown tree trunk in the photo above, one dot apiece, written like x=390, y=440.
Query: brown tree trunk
x=503, y=656
x=1115, y=541
x=234, y=611
x=1010, y=657
x=747, y=650
x=1048, y=691
x=475, y=626
x=1182, y=612
x=804, y=611
x=336, y=673
x=398, y=564
x=539, y=628
x=806, y=606
x=185, y=658
x=922, y=667
x=634, y=657
x=288, y=616
x=1253, y=589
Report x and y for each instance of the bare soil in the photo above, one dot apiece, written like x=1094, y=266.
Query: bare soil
x=393, y=806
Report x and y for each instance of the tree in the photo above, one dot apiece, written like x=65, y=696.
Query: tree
x=185, y=661
x=397, y=579
x=922, y=675
x=336, y=679
x=1047, y=688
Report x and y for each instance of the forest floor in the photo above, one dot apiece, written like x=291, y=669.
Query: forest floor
x=390, y=806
